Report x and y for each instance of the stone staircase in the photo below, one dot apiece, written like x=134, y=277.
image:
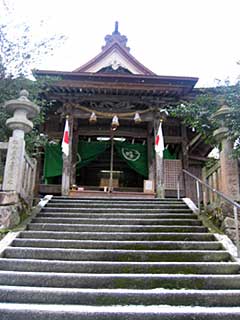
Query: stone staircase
x=117, y=259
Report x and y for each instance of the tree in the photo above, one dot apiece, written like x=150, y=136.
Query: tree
x=198, y=113
x=20, y=49
x=19, y=52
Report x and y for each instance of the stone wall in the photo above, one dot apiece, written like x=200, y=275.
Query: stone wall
x=10, y=208
x=222, y=215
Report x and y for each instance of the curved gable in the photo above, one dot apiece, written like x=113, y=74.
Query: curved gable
x=115, y=54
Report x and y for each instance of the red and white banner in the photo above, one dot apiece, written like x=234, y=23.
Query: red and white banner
x=159, y=142
x=65, y=140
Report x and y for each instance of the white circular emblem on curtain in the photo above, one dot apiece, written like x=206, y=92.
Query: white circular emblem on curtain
x=131, y=154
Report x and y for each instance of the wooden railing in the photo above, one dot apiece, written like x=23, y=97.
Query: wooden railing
x=28, y=178
x=212, y=177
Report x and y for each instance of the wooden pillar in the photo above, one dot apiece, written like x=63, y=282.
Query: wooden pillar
x=110, y=186
x=185, y=160
x=205, y=190
x=151, y=160
x=74, y=152
x=184, y=147
x=67, y=162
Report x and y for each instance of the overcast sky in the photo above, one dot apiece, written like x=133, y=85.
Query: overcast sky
x=199, y=38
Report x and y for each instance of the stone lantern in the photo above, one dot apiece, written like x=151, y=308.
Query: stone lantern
x=23, y=110
x=229, y=165
x=220, y=115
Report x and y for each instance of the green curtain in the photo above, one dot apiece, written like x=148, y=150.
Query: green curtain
x=168, y=155
x=52, y=161
x=90, y=151
x=135, y=155
x=87, y=152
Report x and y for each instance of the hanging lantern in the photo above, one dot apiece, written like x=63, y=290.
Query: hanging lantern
x=137, y=118
x=93, y=118
x=115, y=123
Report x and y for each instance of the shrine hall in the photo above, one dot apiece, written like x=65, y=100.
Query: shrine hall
x=114, y=105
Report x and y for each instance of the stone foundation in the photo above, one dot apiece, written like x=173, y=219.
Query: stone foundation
x=228, y=227
x=10, y=208
x=221, y=214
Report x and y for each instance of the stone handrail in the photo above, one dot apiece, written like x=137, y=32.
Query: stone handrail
x=28, y=179
x=212, y=177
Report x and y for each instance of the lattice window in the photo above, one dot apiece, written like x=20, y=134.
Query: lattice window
x=172, y=169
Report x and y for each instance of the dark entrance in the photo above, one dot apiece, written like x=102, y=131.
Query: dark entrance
x=96, y=175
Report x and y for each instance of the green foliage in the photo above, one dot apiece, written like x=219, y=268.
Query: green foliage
x=20, y=49
x=19, y=52
x=10, y=89
x=198, y=113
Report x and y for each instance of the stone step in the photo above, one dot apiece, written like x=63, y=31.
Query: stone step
x=118, y=221
x=113, y=228
x=120, y=281
x=116, y=210
x=117, y=205
x=118, y=267
x=107, y=297
x=119, y=236
x=117, y=259
x=17, y=311
x=136, y=245
x=62, y=199
x=118, y=216
x=116, y=255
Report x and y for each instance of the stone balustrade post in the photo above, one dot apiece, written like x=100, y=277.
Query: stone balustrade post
x=23, y=110
x=229, y=166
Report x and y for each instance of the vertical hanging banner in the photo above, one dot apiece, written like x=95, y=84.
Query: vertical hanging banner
x=159, y=142
x=67, y=159
x=65, y=140
x=135, y=156
x=159, y=148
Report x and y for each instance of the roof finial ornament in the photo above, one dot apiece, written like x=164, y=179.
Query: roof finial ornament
x=116, y=36
x=116, y=28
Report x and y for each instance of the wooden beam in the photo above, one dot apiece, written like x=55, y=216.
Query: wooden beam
x=196, y=144
x=164, y=87
x=198, y=158
x=133, y=98
x=81, y=114
x=137, y=133
x=173, y=139
x=194, y=140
